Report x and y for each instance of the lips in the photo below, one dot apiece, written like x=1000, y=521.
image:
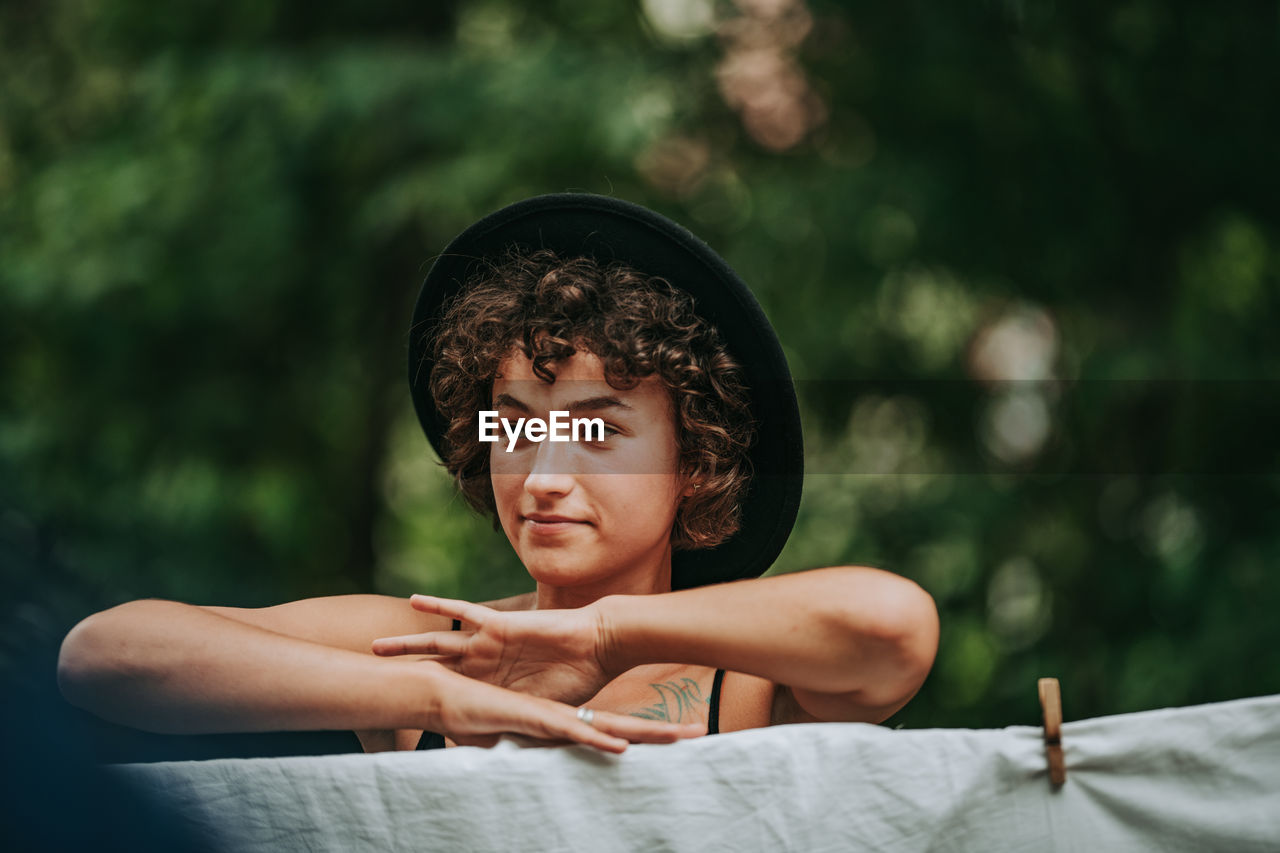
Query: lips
x=542, y=518
x=547, y=524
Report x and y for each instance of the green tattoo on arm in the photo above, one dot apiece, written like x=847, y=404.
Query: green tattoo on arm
x=675, y=700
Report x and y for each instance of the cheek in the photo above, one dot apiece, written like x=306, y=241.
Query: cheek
x=665, y=468
x=654, y=496
x=505, y=481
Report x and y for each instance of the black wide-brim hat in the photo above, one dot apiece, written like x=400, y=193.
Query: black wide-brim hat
x=611, y=230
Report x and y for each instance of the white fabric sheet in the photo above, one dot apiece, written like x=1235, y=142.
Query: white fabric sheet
x=1199, y=778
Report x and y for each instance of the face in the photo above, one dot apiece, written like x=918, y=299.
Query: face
x=591, y=515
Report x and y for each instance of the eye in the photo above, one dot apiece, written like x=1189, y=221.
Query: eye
x=609, y=432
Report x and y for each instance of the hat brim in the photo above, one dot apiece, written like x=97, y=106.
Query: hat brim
x=611, y=230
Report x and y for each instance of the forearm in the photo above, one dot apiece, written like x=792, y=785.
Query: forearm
x=168, y=667
x=836, y=631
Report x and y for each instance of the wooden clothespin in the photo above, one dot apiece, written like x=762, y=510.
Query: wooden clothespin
x=1051, y=705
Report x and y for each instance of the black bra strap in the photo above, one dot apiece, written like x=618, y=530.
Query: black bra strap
x=713, y=720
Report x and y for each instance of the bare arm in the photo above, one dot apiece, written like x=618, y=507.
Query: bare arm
x=848, y=643
x=174, y=668
x=839, y=644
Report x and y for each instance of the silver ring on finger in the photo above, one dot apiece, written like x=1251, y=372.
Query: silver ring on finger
x=586, y=715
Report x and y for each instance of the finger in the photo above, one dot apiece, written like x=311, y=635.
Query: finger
x=640, y=730
x=430, y=643
x=612, y=732
x=451, y=660
x=473, y=614
x=580, y=732
x=560, y=723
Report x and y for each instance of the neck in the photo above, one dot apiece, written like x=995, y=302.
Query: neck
x=652, y=582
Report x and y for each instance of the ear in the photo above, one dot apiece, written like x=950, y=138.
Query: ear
x=691, y=488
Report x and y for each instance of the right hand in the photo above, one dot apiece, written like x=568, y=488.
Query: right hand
x=473, y=713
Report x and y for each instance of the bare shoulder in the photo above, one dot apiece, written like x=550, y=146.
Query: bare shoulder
x=751, y=702
x=744, y=701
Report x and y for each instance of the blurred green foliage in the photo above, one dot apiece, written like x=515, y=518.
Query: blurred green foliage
x=214, y=218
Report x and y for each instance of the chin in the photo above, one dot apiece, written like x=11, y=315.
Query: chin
x=561, y=573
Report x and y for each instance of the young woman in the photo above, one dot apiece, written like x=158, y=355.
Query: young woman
x=644, y=540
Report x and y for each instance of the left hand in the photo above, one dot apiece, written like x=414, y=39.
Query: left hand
x=555, y=654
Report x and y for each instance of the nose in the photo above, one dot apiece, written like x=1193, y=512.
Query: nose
x=550, y=474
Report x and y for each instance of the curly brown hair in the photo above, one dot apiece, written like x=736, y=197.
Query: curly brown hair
x=639, y=326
